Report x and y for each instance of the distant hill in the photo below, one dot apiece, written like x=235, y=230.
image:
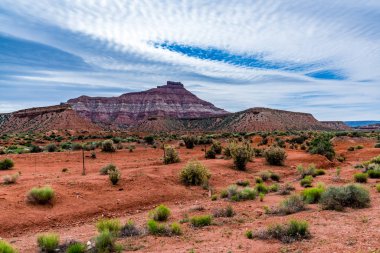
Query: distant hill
x=169, y=108
x=361, y=123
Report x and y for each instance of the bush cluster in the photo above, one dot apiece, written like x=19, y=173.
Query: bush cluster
x=322, y=145
x=194, y=173
x=275, y=155
x=339, y=197
x=6, y=164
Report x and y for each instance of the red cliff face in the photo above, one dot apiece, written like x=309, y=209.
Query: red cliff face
x=168, y=101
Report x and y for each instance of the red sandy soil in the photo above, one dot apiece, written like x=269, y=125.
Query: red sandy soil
x=146, y=182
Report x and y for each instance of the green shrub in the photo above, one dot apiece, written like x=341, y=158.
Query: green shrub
x=171, y=155
x=378, y=187
x=361, y=177
x=35, y=149
x=210, y=154
x=189, y=141
x=216, y=147
x=359, y=147
x=42, y=195
x=194, y=173
x=114, y=176
x=201, y=220
x=312, y=195
x=129, y=229
x=320, y=172
x=105, y=242
x=339, y=197
x=261, y=188
x=377, y=145
x=351, y=148
x=275, y=177
x=322, y=145
x=11, y=179
x=375, y=173
x=51, y=148
x=259, y=180
x=76, y=146
x=175, y=228
x=287, y=233
x=111, y=225
x=273, y=188
x=309, y=171
x=76, y=248
x=107, y=146
x=107, y=169
x=224, y=194
x=149, y=139
x=237, y=194
x=5, y=247
x=160, y=213
x=241, y=155
x=306, y=181
x=290, y=205
x=48, y=242
x=275, y=155
x=249, y=234
x=6, y=164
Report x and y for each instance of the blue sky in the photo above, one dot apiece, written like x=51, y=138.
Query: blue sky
x=321, y=57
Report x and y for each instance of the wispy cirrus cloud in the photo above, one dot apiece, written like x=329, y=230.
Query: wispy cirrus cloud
x=321, y=57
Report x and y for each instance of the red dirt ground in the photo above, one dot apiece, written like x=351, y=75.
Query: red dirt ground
x=146, y=182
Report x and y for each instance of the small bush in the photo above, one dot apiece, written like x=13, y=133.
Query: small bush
x=306, y=181
x=374, y=173
x=377, y=145
x=309, y=171
x=312, y=195
x=194, y=173
x=275, y=155
x=105, y=242
x=129, y=229
x=48, y=242
x=149, y=139
x=378, y=187
x=51, y=148
x=156, y=228
x=241, y=155
x=224, y=212
x=275, y=177
x=249, y=234
x=6, y=164
x=285, y=189
x=236, y=194
x=337, y=198
x=171, y=155
x=114, y=176
x=259, y=180
x=189, y=141
x=320, y=172
x=107, y=169
x=290, y=205
x=242, y=183
x=160, y=213
x=273, y=188
x=11, y=179
x=287, y=233
x=214, y=197
x=216, y=147
x=111, y=225
x=210, y=154
x=175, y=228
x=322, y=145
x=42, y=195
x=351, y=148
x=361, y=177
x=107, y=146
x=201, y=221
x=5, y=247
x=76, y=248
x=76, y=146
x=261, y=188
x=265, y=175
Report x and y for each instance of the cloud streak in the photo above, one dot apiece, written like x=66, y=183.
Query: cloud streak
x=321, y=57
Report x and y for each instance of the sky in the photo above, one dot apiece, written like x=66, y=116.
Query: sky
x=321, y=57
